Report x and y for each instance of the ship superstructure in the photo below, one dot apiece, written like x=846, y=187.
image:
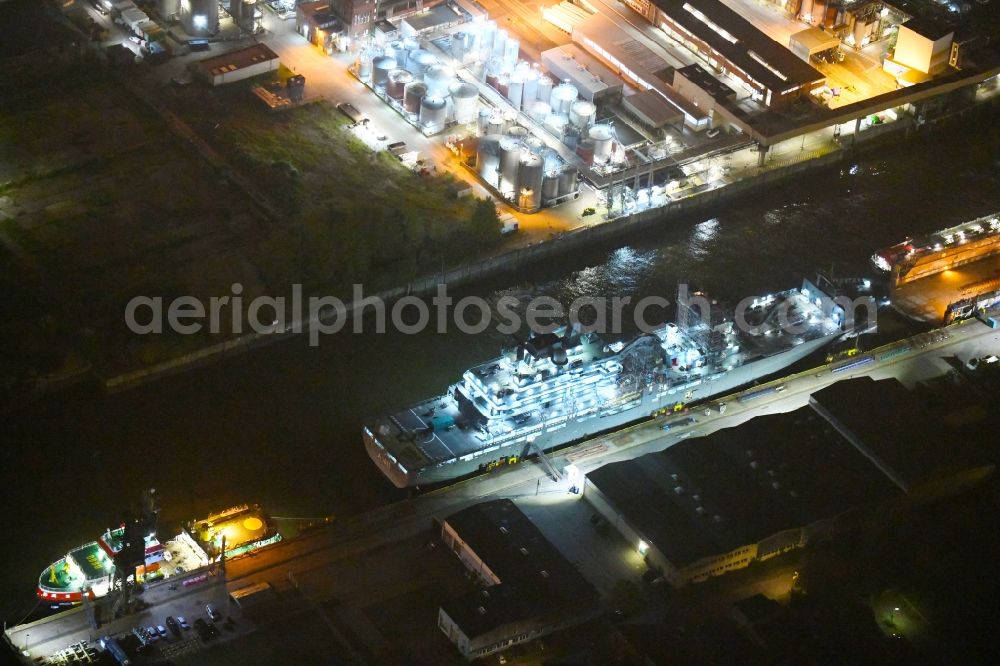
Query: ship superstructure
x=558, y=387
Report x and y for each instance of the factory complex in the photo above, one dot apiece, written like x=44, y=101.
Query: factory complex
x=637, y=101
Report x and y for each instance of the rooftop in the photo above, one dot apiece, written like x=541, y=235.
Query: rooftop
x=588, y=73
x=740, y=42
x=699, y=76
x=918, y=434
x=652, y=108
x=534, y=576
x=237, y=59
x=711, y=495
x=932, y=30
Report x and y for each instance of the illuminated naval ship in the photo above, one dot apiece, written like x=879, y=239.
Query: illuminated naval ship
x=561, y=387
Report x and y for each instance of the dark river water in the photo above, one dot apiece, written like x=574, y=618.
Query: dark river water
x=281, y=425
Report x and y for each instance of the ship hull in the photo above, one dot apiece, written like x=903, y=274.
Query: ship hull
x=580, y=429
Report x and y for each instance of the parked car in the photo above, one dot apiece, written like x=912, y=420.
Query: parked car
x=181, y=621
x=152, y=634
x=212, y=613
x=173, y=625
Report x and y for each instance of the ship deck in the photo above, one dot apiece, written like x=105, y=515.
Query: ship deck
x=56, y=578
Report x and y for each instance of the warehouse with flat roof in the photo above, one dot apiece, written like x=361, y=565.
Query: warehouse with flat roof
x=529, y=588
x=731, y=43
x=714, y=504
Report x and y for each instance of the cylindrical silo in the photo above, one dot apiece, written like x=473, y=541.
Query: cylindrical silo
x=567, y=180
x=510, y=157
x=511, y=49
x=418, y=60
x=438, y=78
x=503, y=84
x=556, y=122
x=563, y=96
x=509, y=120
x=550, y=186
x=410, y=44
x=488, y=158
x=515, y=88
x=499, y=42
x=529, y=181
x=517, y=132
x=571, y=135
x=530, y=89
x=433, y=113
x=364, y=64
x=459, y=46
x=600, y=136
x=539, y=111
x=381, y=66
x=582, y=113
x=543, y=90
x=412, y=95
x=398, y=79
x=483, y=121
x=466, y=99
x=487, y=33
x=495, y=125
x=534, y=145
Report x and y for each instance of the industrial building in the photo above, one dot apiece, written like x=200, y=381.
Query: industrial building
x=528, y=588
x=732, y=44
x=713, y=504
x=237, y=65
x=592, y=78
x=318, y=23
x=922, y=50
x=360, y=16
x=917, y=436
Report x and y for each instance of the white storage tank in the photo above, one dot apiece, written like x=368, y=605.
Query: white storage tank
x=364, y=64
x=381, y=66
x=459, y=46
x=567, y=180
x=398, y=79
x=499, y=42
x=518, y=132
x=510, y=157
x=483, y=121
x=438, y=79
x=550, y=186
x=418, y=60
x=414, y=92
x=488, y=158
x=534, y=145
x=466, y=99
x=433, y=113
x=496, y=122
x=515, y=88
x=395, y=50
x=543, y=90
x=601, y=137
x=556, y=123
x=509, y=120
x=530, y=89
x=410, y=44
x=529, y=181
x=582, y=114
x=563, y=96
x=511, y=49
x=539, y=111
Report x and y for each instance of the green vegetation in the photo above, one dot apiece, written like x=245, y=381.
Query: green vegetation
x=354, y=216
